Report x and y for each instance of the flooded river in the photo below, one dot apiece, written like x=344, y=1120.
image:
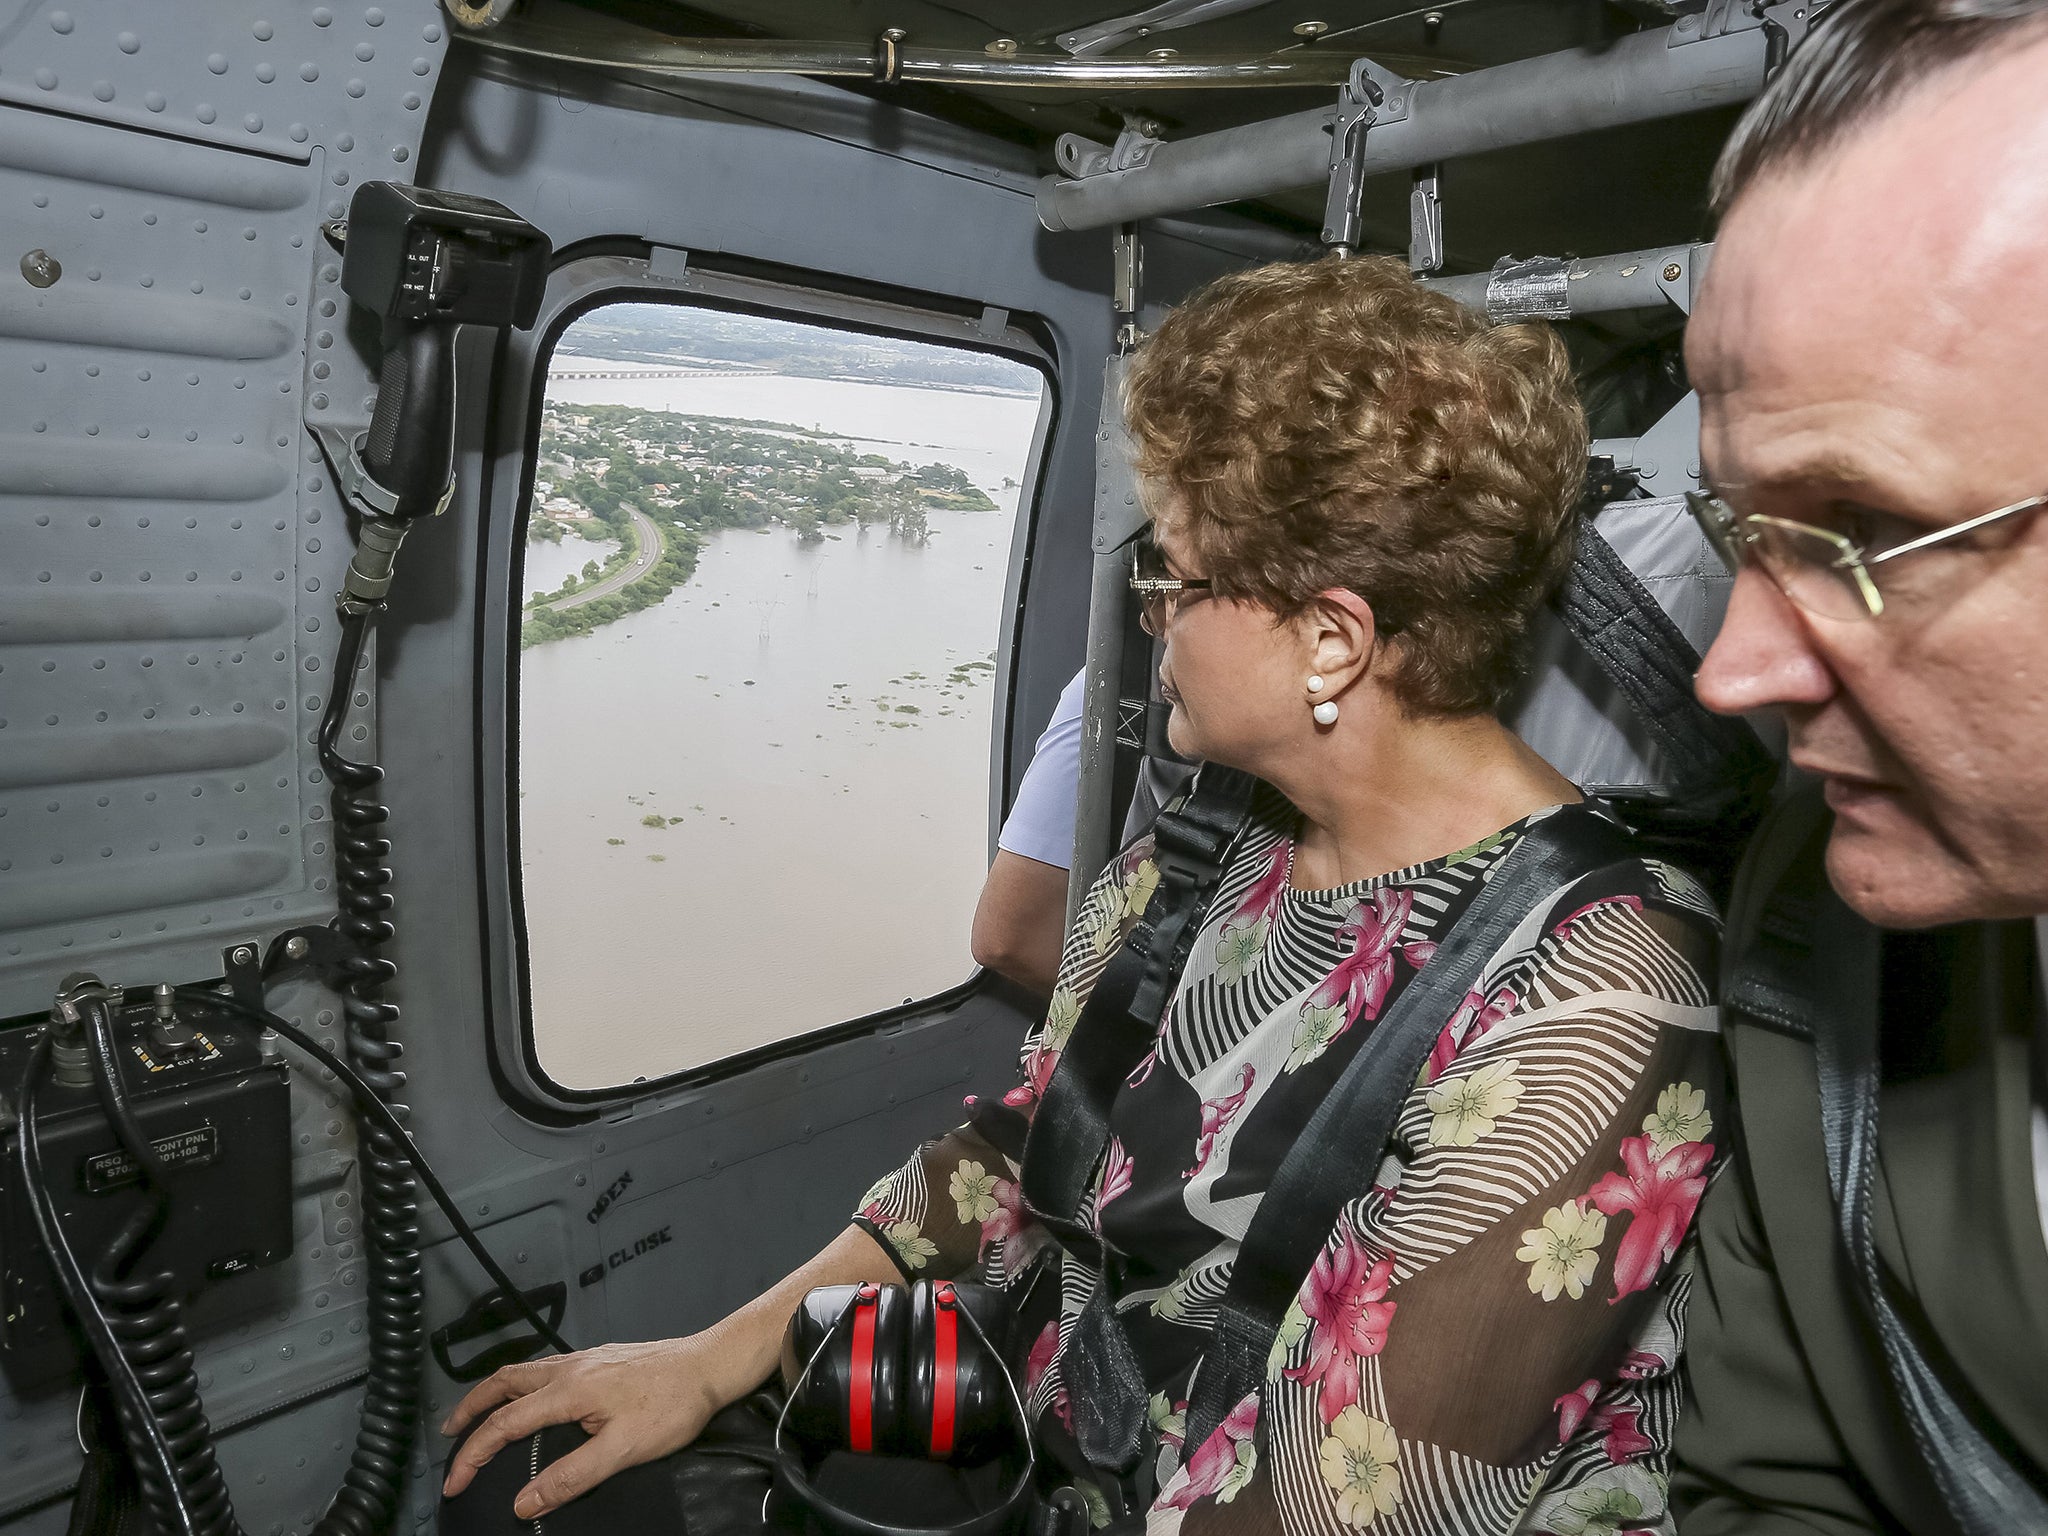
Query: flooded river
x=761, y=807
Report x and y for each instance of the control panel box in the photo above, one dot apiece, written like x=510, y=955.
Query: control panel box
x=217, y=1111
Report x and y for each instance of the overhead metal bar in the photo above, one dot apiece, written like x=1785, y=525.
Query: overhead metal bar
x=894, y=58
x=1558, y=288
x=1715, y=59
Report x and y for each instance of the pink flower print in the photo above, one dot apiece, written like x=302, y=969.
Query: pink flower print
x=1418, y=954
x=1225, y=1458
x=1008, y=1218
x=1621, y=1427
x=1563, y=929
x=1624, y=1438
x=1641, y=1365
x=1358, y=986
x=1038, y=1070
x=1662, y=1193
x=1117, y=1168
x=1037, y=1363
x=1216, y=1117
x=1264, y=898
x=1374, y=932
x=1345, y=1298
x=1475, y=1016
x=1573, y=1407
x=1242, y=937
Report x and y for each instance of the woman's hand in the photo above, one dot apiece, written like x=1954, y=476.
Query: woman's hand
x=636, y=1401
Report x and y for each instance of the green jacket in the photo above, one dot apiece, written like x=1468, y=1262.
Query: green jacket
x=1790, y=1424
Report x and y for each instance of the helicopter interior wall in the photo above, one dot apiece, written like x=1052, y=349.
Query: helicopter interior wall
x=657, y=1212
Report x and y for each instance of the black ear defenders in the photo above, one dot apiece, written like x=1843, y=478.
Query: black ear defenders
x=880, y=1370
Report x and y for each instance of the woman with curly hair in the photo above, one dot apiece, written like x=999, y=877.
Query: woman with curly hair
x=1360, y=497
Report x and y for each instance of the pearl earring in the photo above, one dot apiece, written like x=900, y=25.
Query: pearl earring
x=1326, y=712
x=1315, y=685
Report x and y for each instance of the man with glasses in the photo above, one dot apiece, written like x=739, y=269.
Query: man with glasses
x=1869, y=1328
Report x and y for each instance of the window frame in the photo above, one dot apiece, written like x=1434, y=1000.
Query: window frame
x=580, y=283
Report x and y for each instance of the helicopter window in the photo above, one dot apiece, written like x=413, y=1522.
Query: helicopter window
x=764, y=582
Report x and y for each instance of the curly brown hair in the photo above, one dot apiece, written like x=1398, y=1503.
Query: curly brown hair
x=1335, y=424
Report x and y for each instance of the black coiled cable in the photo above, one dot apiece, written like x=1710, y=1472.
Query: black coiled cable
x=143, y=1312
x=367, y=1501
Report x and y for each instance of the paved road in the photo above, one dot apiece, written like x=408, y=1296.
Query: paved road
x=646, y=554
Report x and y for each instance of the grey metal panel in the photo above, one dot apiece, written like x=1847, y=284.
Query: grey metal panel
x=169, y=543
x=171, y=539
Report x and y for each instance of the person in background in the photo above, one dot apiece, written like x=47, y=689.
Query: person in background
x=1022, y=915
x=1871, y=354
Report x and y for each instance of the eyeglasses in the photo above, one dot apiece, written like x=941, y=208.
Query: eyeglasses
x=1160, y=595
x=1823, y=571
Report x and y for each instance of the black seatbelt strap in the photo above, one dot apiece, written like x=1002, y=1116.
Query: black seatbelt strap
x=1651, y=664
x=1337, y=1156
x=1812, y=969
x=1070, y=1129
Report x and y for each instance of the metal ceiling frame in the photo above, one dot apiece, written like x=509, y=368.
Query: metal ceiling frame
x=1720, y=57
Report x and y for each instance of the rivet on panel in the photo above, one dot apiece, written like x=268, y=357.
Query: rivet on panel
x=355, y=88
x=298, y=133
x=46, y=78
x=204, y=112
x=253, y=123
x=128, y=42
x=401, y=154
x=374, y=16
x=92, y=274
x=309, y=71
x=60, y=22
x=217, y=62
x=263, y=31
x=154, y=100
x=411, y=102
x=366, y=52
x=103, y=90
x=142, y=374
x=96, y=212
x=421, y=67
x=42, y=199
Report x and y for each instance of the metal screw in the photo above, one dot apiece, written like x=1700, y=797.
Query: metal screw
x=296, y=949
x=336, y=231
x=242, y=954
x=1673, y=272
x=1311, y=29
x=1432, y=24
x=1002, y=48
x=894, y=34
x=1161, y=55
x=41, y=268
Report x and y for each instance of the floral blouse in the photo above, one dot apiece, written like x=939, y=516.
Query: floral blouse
x=1489, y=1340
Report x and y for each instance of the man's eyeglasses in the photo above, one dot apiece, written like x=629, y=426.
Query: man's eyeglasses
x=1160, y=595
x=1823, y=571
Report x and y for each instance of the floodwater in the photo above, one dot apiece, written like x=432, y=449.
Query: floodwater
x=761, y=807
x=549, y=565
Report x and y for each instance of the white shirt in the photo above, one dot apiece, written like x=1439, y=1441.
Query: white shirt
x=1041, y=820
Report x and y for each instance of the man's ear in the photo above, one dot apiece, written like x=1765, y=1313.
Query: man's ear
x=1342, y=640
